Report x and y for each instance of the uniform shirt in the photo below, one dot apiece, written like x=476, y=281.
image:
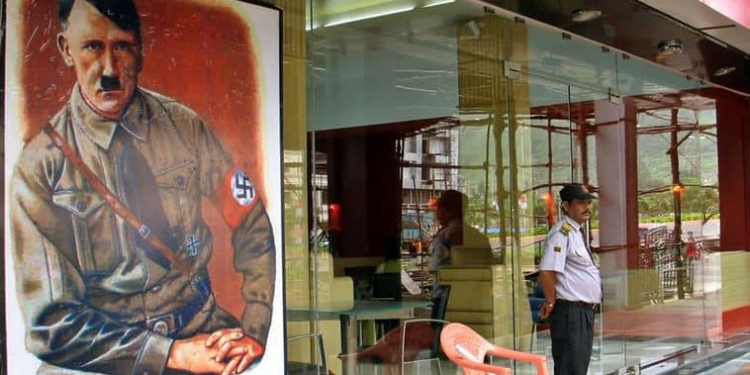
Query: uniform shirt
x=441, y=243
x=84, y=286
x=565, y=253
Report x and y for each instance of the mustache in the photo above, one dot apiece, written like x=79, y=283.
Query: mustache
x=108, y=83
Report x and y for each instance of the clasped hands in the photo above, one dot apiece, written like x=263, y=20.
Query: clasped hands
x=226, y=351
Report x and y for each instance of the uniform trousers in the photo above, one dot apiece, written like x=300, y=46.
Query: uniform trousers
x=572, y=334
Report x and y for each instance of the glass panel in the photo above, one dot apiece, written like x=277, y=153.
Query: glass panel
x=386, y=139
x=494, y=147
x=665, y=312
x=409, y=99
x=702, y=202
x=567, y=77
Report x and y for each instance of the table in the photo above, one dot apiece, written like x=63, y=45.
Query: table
x=362, y=310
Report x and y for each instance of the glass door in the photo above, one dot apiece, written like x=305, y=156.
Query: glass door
x=534, y=91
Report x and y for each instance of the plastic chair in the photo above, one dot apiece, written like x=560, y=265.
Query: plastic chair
x=414, y=341
x=437, y=320
x=319, y=367
x=467, y=349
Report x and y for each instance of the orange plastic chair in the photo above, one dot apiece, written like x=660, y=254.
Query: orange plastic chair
x=467, y=349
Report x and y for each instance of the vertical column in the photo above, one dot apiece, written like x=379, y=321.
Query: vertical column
x=347, y=184
x=383, y=192
x=617, y=179
x=733, y=145
x=486, y=46
x=733, y=139
x=364, y=180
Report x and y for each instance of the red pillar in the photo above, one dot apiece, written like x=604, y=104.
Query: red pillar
x=733, y=144
x=733, y=141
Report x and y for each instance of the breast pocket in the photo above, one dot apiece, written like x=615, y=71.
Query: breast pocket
x=580, y=255
x=178, y=191
x=92, y=229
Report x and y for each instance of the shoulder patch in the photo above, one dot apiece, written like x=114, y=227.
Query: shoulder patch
x=558, y=249
x=566, y=228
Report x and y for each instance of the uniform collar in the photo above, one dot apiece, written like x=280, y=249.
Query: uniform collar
x=100, y=129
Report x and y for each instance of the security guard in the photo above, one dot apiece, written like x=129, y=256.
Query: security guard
x=97, y=297
x=571, y=283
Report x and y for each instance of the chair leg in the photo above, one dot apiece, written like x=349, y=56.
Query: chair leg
x=436, y=361
x=533, y=336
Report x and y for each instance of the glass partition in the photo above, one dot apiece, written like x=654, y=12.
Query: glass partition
x=563, y=144
x=667, y=316
x=409, y=99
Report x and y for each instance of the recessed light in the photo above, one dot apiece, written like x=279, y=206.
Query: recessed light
x=670, y=46
x=585, y=15
x=724, y=71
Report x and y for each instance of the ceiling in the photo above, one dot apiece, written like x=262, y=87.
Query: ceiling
x=710, y=41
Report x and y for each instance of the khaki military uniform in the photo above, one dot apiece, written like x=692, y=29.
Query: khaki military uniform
x=93, y=298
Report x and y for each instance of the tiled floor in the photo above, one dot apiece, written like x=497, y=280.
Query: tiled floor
x=729, y=358
x=735, y=366
x=664, y=338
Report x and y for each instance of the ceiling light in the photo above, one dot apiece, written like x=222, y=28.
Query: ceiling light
x=473, y=28
x=436, y=3
x=585, y=15
x=366, y=16
x=670, y=46
x=724, y=71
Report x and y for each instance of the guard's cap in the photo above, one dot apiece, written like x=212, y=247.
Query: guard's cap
x=575, y=191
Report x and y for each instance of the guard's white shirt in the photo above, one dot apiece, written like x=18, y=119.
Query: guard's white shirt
x=566, y=253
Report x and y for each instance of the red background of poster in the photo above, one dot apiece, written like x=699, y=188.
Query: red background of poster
x=198, y=54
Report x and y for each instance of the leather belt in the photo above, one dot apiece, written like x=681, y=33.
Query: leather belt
x=590, y=306
x=171, y=323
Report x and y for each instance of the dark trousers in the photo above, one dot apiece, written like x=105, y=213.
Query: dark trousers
x=572, y=332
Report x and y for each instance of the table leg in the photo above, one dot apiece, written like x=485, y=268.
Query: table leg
x=349, y=342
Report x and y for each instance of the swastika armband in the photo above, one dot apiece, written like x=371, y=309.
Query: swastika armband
x=235, y=197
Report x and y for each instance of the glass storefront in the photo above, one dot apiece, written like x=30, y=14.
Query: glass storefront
x=404, y=100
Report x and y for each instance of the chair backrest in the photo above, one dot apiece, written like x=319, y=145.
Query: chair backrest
x=414, y=335
x=387, y=286
x=536, y=301
x=460, y=344
x=468, y=349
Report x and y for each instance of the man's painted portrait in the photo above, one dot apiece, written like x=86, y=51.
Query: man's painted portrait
x=143, y=187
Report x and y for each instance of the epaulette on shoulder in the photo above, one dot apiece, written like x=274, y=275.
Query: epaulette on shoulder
x=566, y=228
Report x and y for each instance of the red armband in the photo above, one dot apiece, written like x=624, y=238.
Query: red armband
x=235, y=197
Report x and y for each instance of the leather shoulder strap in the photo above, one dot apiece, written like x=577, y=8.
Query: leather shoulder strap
x=117, y=206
